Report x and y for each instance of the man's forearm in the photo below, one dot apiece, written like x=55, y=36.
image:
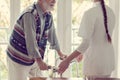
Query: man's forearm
x=59, y=52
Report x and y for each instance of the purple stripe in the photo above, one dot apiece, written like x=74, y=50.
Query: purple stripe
x=19, y=57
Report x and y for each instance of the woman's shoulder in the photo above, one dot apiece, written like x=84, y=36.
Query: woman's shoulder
x=110, y=9
x=97, y=10
x=91, y=11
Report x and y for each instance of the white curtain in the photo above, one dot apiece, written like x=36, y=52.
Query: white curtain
x=114, y=4
x=64, y=28
x=14, y=11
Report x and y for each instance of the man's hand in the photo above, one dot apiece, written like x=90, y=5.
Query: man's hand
x=62, y=56
x=41, y=64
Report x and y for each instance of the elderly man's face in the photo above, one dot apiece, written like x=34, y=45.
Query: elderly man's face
x=49, y=4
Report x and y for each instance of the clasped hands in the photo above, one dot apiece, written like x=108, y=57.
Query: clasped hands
x=65, y=64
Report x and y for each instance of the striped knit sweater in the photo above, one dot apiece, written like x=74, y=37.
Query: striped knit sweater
x=17, y=49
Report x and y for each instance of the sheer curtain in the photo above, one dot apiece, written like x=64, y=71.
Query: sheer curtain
x=14, y=11
x=114, y=4
x=64, y=28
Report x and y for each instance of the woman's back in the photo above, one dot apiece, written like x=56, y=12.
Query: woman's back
x=99, y=57
x=99, y=35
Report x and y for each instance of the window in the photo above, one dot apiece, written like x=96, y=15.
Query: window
x=25, y=3
x=78, y=8
x=4, y=26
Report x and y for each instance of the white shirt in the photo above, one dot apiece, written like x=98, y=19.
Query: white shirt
x=98, y=52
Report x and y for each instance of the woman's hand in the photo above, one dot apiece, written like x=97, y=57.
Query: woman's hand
x=79, y=58
x=63, y=66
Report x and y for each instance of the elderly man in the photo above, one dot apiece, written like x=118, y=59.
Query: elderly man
x=32, y=30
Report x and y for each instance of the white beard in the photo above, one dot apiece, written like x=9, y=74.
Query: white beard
x=47, y=6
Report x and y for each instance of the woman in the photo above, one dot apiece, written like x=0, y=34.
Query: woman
x=96, y=29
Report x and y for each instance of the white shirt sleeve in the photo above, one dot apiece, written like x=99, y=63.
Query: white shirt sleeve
x=83, y=46
x=52, y=38
x=85, y=31
x=87, y=25
x=30, y=36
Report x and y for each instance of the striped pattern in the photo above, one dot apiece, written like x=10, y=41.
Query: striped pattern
x=17, y=40
x=17, y=47
x=17, y=50
x=17, y=57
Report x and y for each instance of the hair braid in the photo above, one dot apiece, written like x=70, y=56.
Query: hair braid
x=105, y=20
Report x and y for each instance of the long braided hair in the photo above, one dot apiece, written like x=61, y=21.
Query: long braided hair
x=105, y=20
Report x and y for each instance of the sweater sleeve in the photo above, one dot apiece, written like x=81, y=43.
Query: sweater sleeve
x=83, y=46
x=86, y=31
x=87, y=25
x=30, y=35
x=52, y=38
